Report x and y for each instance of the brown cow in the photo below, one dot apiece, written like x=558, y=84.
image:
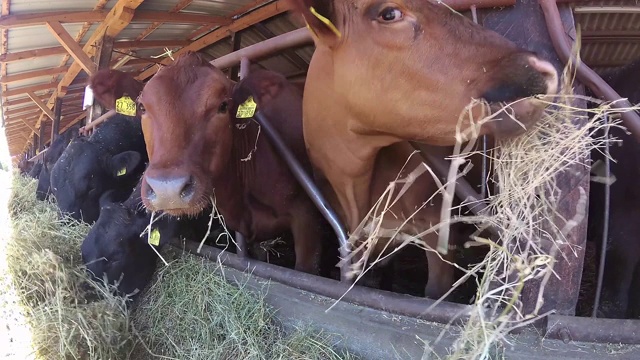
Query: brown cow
x=197, y=149
x=385, y=72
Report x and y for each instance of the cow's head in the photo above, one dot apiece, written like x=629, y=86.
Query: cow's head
x=114, y=247
x=188, y=134
x=108, y=85
x=85, y=171
x=407, y=68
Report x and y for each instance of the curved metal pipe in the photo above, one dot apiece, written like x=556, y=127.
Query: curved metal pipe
x=309, y=187
x=585, y=74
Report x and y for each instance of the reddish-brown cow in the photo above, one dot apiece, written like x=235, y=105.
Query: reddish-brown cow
x=108, y=85
x=385, y=72
x=197, y=149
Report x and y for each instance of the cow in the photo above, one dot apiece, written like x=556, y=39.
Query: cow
x=199, y=150
x=24, y=165
x=621, y=282
x=385, y=73
x=117, y=246
x=35, y=170
x=49, y=160
x=112, y=158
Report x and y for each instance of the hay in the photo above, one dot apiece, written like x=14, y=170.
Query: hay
x=44, y=261
x=189, y=311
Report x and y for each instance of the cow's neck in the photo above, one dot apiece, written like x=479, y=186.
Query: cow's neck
x=236, y=177
x=345, y=156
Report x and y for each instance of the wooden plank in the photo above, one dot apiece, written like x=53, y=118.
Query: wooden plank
x=22, y=20
x=531, y=33
x=116, y=20
x=31, y=54
x=266, y=12
x=179, y=6
x=4, y=38
x=69, y=43
x=55, y=126
x=41, y=105
x=7, y=79
x=14, y=21
x=150, y=44
x=179, y=18
x=26, y=89
x=102, y=59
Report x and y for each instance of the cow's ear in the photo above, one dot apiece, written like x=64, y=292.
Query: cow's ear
x=320, y=19
x=124, y=163
x=107, y=198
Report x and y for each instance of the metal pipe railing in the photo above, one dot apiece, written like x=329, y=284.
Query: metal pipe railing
x=586, y=75
x=309, y=187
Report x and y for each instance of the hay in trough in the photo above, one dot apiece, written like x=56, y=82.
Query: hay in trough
x=188, y=312
x=70, y=316
x=192, y=312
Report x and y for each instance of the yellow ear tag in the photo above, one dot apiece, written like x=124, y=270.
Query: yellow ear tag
x=126, y=106
x=326, y=21
x=246, y=109
x=122, y=171
x=154, y=237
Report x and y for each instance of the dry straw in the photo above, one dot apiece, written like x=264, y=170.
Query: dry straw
x=532, y=233
x=189, y=311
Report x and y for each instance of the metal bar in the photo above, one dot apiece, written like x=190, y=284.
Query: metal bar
x=575, y=328
x=587, y=76
x=241, y=243
x=310, y=188
x=287, y=40
x=605, y=224
x=394, y=303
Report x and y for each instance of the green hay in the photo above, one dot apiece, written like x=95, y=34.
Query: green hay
x=189, y=311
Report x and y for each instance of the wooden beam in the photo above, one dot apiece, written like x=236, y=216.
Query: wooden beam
x=21, y=20
x=116, y=20
x=4, y=38
x=14, y=21
x=179, y=18
x=69, y=43
x=55, y=126
x=31, y=54
x=41, y=105
x=29, y=126
x=7, y=79
x=102, y=59
x=150, y=44
x=241, y=23
x=26, y=89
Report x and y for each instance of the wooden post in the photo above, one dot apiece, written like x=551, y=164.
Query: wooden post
x=235, y=46
x=102, y=59
x=55, y=125
x=559, y=294
x=41, y=139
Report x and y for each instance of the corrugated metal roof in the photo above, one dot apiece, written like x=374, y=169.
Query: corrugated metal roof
x=610, y=40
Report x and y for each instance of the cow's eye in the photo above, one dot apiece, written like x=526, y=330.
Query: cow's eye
x=141, y=109
x=389, y=15
x=223, y=107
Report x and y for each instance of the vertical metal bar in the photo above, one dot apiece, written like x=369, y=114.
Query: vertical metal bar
x=241, y=242
x=244, y=67
x=41, y=140
x=102, y=59
x=485, y=169
x=309, y=187
x=605, y=224
x=235, y=46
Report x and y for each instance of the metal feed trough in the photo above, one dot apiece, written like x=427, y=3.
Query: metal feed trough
x=366, y=318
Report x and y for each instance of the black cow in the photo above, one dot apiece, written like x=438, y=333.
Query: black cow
x=35, y=170
x=621, y=285
x=49, y=160
x=115, y=248
x=113, y=158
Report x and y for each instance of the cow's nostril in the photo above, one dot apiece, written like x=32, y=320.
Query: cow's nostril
x=188, y=190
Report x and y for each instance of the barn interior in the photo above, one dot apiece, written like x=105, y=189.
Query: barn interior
x=48, y=50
